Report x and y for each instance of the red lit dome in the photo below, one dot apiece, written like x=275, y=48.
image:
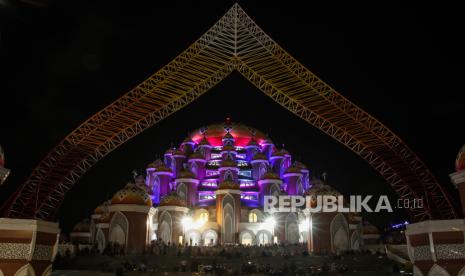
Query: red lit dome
x=131, y=194
x=173, y=199
x=215, y=133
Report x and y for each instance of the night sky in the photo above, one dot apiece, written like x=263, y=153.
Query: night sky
x=62, y=63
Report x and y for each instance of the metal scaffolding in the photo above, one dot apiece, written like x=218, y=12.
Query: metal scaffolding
x=235, y=42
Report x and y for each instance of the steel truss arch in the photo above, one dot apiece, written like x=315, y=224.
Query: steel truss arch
x=235, y=42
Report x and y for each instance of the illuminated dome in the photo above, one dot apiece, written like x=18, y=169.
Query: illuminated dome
x=131, y=194
x=173, y=199
x=300, y=165
x=270, y=175
x=99, y=210
x=105, y=218
x=82, y=226
x=163, y=168
x=228, y=184
x=196, y=155
x=185, y=174
x=460, y=161
x=178, y=152
x=169, y=151
x=278, y=153
x=259, y=156
x=253, y=142
x=293, y=169
x=215, y=133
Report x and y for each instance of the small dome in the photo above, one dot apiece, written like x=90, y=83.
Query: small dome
x=163, y=168
x=277, y=153
x=293, y=169
x=229, y=148
x=99, y=210
x=173, y=199
x=228, y=184
x=267, y=141
x=105, y=218
x=369, y=228
x=151, y=165
x=155, y=164
x=253, y=142
x=188, y=140
x=204, y=142
x=270, y=175
x=196, y=155
x=185, y=174
x=460, y=161
x=178, y=152
x=259, y=156
x=82, y=226
x=300, y=165
x=169, y=151
x=228, y=163
x=131, y=194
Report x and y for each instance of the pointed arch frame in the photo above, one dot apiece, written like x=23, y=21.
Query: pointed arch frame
x=235, y=42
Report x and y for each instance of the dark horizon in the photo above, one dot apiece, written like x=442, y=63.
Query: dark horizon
x=63, y=63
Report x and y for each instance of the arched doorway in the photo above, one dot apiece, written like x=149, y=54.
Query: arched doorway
x=228, y=219
x=210, y=237
x=292, y=228
x=164, y=228
x=263, y=237
x=247, y=237
x=193, y=238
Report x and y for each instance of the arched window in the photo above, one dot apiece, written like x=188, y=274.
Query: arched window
x=253, y=217
x=261, y=170
x=274, y=190
x=204, y=216
x=194, y=169
x=229, y=175
x=182, y=191
x=300, y=188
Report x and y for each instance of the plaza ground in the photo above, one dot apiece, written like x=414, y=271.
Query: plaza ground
x=171, y=265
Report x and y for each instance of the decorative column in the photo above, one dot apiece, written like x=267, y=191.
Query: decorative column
x=27, y=246
x=437, y=247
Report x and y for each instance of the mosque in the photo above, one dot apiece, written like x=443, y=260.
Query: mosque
x=210, y=190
